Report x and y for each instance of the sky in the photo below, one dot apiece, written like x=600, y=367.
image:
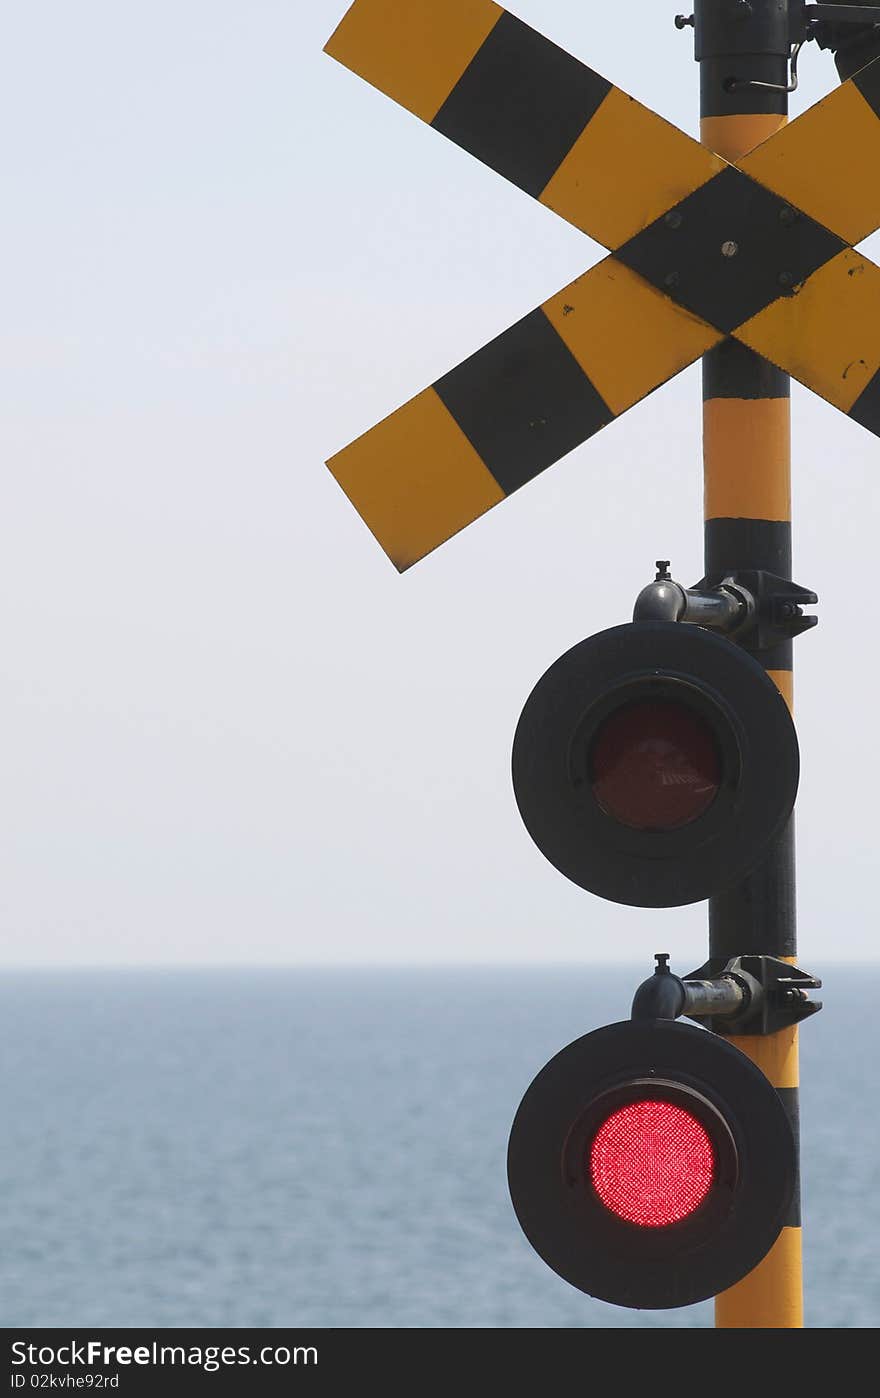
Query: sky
x=232, y=733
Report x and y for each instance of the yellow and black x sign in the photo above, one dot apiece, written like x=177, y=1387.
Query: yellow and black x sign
x=701, y=249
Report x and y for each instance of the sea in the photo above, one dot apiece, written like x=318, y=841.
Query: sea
x=297, y=1148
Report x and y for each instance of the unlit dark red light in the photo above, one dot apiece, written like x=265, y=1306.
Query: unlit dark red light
x=652, y=1163
x=655, y=766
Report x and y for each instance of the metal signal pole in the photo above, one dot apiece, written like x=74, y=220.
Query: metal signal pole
x=743, y=48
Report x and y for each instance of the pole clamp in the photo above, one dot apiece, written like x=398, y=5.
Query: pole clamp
x=739, y=995
x=777, y=994
x=776, y=606
x=748, y=605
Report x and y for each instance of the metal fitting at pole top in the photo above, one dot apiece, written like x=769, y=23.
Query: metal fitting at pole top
x=737, y=42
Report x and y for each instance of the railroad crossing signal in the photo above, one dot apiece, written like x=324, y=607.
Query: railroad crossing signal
x=654, y=763
x=651, y=1164
x=701, y=249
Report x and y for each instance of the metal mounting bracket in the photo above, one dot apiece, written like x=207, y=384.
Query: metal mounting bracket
x=814, y=21
x=739, y=995
x=777, y=611
x=849, y=31
x=780, y=1000
x=749, y=605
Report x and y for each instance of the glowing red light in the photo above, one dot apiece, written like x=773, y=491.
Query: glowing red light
x=652, y=1163
x=655, y=766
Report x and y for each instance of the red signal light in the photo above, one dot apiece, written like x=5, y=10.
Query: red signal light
x=654, y=765
x=651, y=1163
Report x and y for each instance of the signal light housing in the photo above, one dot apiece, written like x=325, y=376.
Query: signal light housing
x=654, y=763
x=651, y=1164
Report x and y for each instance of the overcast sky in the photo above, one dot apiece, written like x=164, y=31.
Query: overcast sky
x=233, y=734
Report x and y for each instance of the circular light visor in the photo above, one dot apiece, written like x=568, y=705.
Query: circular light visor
x=654, y=765
x=651, y=1163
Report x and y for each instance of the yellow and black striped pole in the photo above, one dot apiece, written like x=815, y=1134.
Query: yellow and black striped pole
x=743, y=52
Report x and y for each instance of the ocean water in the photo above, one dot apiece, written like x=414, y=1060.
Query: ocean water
x=297, y=1148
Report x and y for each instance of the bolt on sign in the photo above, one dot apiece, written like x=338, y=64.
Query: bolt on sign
x=701, y=249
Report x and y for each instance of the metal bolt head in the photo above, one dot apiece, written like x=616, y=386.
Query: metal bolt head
x=785, y=279
x=671, y=279
x=672, y=219
x=729, y=248
x=787, y=215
